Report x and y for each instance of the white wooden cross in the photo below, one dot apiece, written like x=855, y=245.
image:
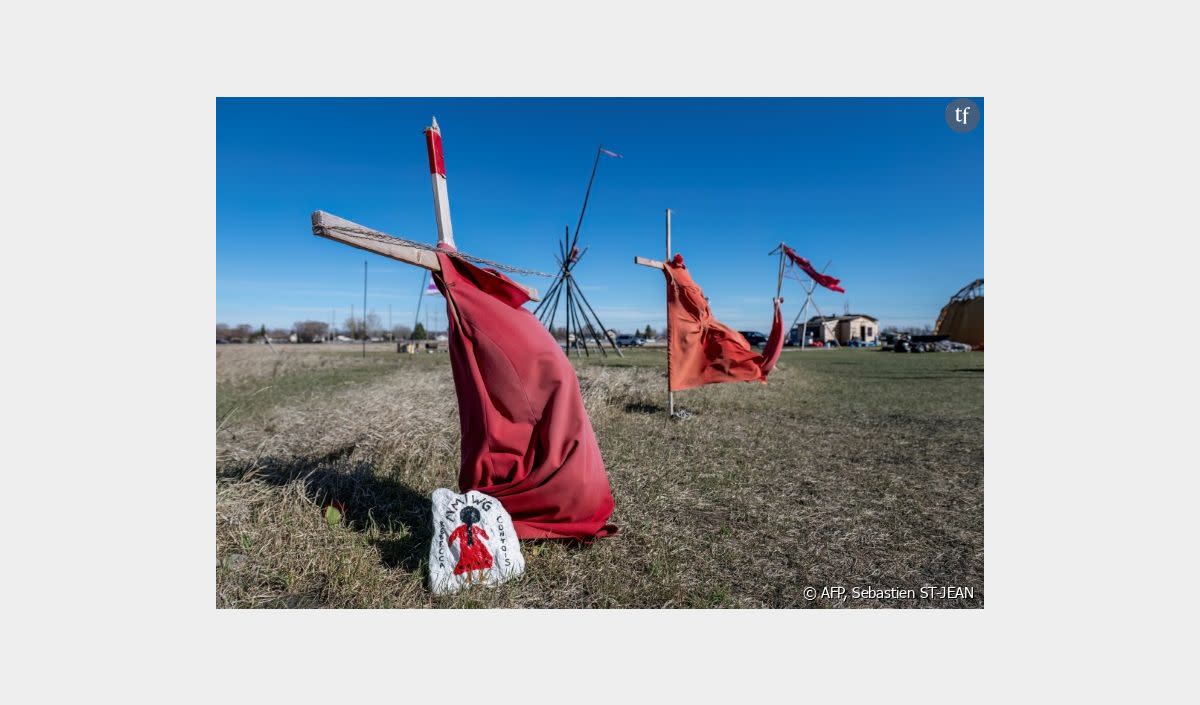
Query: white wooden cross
x=655, y=264
x=420, y=254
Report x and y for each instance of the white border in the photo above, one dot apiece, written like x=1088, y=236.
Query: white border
x=110, y=184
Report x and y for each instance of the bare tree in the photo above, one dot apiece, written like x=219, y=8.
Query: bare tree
x=353, y=327
x=373, y=327
x=223, y=331
x=401, y=333
x=242, y=332
x=359, y=328
x=311, y=331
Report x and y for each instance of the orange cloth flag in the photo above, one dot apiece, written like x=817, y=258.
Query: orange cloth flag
x=705, y=351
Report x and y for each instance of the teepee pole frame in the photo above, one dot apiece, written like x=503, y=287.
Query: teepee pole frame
x=809, y=286
x=580, y=319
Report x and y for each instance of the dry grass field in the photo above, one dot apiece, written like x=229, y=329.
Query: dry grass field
x=852, y=468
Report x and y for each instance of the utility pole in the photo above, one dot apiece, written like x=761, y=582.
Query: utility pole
x=364, y=326
x=420, y=297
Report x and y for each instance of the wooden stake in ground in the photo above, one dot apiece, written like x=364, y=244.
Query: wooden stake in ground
x=410, y=251
x=655, y=264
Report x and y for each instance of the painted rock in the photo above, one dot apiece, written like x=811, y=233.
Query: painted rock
x=474, y=542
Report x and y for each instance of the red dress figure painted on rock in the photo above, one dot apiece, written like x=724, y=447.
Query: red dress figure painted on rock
x=472, y=553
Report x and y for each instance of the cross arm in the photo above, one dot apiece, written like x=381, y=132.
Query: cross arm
x=647, y=262
x=330, y=226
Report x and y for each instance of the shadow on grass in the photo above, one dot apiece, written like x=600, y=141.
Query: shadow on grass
x=369, y=499
x=949, y=374
x=640, y=407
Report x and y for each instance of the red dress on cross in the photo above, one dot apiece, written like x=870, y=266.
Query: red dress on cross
x=702, y=349
x=526, y=438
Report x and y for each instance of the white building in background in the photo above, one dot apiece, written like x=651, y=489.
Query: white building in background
x=851, y=326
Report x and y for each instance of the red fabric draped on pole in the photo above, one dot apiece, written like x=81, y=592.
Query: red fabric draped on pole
x=831, y=283
x=704, y=350
x=526, y=438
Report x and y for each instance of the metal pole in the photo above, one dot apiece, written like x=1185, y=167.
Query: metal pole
x=420, y=298
x=364, y=308
x=547, y=314
x=670, y=392
x=550, y=312
x=556, y=288
x=601, y=324
x=570, y=321
x=779, y=282
x=566, y=257
x=581, y=318
x=580, y=321
x=543, y=310
x=591, y=328
x=580, y=333
x=586, y=194
x=803, y=321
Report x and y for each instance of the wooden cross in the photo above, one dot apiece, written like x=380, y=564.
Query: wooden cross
x=655, y=264
x=419, y=254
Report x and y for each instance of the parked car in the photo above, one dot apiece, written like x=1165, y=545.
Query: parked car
x=902, y=346
x=626, y=341
x=754, y=337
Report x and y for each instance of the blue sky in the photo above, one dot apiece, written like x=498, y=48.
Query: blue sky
x=881, y=187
